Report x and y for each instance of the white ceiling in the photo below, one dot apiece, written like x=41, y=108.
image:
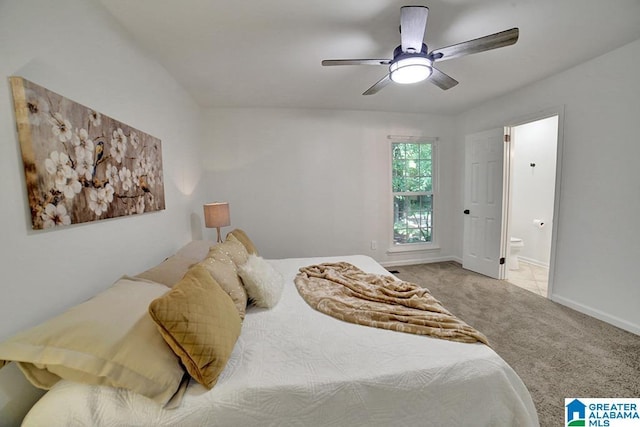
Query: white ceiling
x=267, y=53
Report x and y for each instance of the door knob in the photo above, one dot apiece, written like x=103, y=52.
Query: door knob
x=466, y=212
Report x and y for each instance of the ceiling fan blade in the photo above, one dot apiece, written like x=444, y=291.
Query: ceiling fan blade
x=493, y=41
x=328, y=62
x=413, y=24
x=442, y=80
x=378, y=86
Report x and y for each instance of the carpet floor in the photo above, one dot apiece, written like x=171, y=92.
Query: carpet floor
x=558, y=352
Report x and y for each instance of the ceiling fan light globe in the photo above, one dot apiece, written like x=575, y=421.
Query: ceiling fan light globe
x=410, y=70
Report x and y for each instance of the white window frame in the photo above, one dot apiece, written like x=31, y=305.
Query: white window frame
x=435, y=183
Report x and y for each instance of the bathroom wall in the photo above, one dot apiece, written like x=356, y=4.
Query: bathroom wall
x=532, y=190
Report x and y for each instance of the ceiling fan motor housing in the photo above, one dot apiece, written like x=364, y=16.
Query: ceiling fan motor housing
x=398, y=51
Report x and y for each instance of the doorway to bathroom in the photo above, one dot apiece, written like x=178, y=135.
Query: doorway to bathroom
x=530, y=202
x=489, y=188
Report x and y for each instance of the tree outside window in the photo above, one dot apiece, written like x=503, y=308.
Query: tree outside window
x=412, y=175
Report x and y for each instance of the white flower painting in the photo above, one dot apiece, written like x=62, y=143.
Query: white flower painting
x=81, y=165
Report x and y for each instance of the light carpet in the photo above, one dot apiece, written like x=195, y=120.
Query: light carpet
x=558, y=352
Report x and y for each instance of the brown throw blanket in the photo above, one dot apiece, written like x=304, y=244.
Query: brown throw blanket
x=347, y=293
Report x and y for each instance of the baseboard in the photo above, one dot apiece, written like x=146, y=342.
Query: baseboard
x=600, y=315
x=533, y=261
x=419, y=261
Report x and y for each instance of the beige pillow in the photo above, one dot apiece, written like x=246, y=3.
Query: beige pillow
x=242, y=237
x=107, y=340
x=224, y=271
x=234, y=249
x=168, y=272
x=200, y=323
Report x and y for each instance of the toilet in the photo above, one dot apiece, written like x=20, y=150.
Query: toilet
x=515, y=245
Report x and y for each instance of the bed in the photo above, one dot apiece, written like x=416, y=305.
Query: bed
x=292, y=365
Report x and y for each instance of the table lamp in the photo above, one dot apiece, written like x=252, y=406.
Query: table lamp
x=216, y=215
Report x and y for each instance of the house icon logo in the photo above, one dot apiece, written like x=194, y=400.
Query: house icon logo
x=575, y=411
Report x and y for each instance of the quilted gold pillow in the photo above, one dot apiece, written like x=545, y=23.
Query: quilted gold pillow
x=200, y=323
x=225, y=272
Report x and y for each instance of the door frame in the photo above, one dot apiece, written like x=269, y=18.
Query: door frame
x=506, y=201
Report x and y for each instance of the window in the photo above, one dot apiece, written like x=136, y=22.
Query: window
x=412, y=186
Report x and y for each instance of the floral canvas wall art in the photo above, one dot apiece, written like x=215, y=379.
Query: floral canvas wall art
x=81, y=165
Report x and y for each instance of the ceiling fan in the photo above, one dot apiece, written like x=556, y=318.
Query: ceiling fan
x=412, y=62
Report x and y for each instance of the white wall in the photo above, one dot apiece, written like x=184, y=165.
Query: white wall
x=75, y=48
x=316, y=182
x=597, y=232
x=301, y=182
x=533, y=188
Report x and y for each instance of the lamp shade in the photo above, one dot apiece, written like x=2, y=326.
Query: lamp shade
x=217, y=215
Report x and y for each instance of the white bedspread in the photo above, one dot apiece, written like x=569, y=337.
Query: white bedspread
x=297, y=367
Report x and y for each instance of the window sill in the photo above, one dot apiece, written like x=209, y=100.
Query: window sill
x=398, y=249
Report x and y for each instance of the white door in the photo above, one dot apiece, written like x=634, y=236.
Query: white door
x=483, y=245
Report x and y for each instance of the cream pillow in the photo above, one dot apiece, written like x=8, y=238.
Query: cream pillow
x=264, y=284
x=224, y=271
x=195, y=250
x=200, y=323
x=168, y=272
x=171, y=270
x=108, y=340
